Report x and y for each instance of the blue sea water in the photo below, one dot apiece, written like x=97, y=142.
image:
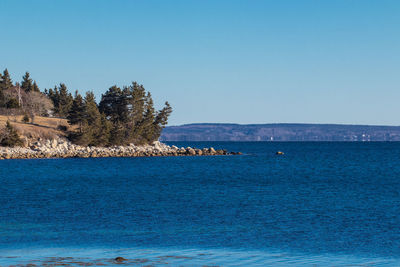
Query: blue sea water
x=323, y=204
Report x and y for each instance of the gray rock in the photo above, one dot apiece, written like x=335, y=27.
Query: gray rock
x=54, y=143
x=190, y=151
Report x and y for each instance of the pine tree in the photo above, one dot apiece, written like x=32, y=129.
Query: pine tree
x=93, y=119
x=161, y=120
x=64, y=100
x=10, y=136
x=137, y=104
x=76, y=114
x=108, y=102
x=6, y=82
x=2, y=99
x=54, y=97
x=138, y=101
x=12, y=103
x=35, y=87
x=2, y=96
x=103, y=133
x=25, y=118
x=148, y=120
x=92, y=113
x=117, y=134
x=114, y=104
x=27, y=83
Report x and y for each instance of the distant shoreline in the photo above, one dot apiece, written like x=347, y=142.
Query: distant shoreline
x=280, y=132
x=278, y=141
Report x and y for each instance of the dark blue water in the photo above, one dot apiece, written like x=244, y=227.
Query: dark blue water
x=324, y=203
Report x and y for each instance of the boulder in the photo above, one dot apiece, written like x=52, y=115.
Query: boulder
x=182, y=150
x=54, y=143
x=25, y=141
x=190, y=151
x=120, y=259
x=212, y=151
x=48, y=143
x=157, y=145
x=220, y=152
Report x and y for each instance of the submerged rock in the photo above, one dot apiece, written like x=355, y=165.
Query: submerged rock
x=120, y=259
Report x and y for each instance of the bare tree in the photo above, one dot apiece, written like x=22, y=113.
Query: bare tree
x=36, y=104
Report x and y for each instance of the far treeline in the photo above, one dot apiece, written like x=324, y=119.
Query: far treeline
x=123, y=116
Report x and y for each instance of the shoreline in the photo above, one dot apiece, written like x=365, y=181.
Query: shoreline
x=193, y=256
x=60, y=148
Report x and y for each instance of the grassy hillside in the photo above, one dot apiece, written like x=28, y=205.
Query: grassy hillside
x=42, y=127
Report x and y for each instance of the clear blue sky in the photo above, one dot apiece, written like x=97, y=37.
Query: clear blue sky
x=218, y=61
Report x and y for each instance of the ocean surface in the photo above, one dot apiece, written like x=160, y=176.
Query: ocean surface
x=321, y=204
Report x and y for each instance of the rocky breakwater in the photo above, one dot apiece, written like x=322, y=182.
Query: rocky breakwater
x=60, y=148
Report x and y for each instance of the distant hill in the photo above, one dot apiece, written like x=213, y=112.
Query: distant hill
x=280, y=132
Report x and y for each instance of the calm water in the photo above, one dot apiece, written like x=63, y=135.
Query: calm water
x=320, y=203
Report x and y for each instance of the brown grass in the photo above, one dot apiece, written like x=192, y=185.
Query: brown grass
x=42, y=127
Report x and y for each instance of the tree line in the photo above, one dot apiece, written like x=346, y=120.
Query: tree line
x=22, y=98
x=123, y=115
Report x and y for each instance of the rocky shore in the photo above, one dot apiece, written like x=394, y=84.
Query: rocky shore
x=60, y=148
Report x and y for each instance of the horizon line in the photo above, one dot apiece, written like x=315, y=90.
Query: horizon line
x=281, y=123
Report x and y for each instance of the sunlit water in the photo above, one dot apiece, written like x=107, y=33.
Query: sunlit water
x=320, y=203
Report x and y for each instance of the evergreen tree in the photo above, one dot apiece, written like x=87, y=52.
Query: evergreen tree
x=161, y=120
x=25, y=119
x=2, y=99
x=103, y=135
x=2, y=96
x=10, y=136
x=117, y=134
x=6, y=82
x=35, y=87
x=137, y=101
x=137, y=104
x=53, y=95
x=148, y=133
x=93, y=119
x=114, y=104
x=12, y=103
x=92, y=113
x=76, y=114
x=64, y=100
x=132, y=113
x=27, y=83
